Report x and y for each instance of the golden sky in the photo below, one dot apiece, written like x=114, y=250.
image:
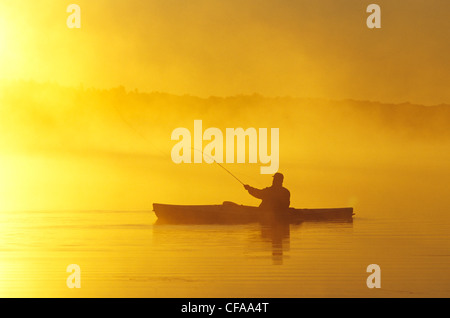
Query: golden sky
x=59, y=146
x=215, y=47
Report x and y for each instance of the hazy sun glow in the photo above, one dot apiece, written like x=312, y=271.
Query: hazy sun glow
x=86, y=117
x=3, y=38
x=13, y=60
x=60, y=134
x=226, y=48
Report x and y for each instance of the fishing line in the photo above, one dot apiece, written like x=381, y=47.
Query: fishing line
x=135, y=130
x=165, y=154
x=219, y=165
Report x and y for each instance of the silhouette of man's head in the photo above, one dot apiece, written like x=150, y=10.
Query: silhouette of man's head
x=278, y=179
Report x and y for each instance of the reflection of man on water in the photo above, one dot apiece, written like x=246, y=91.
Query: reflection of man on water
x=275, y=197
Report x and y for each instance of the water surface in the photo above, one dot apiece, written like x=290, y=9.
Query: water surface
x=128, y=254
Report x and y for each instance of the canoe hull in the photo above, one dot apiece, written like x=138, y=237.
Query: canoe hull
x=231, y=213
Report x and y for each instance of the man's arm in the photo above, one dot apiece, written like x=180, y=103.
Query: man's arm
x=257, y=193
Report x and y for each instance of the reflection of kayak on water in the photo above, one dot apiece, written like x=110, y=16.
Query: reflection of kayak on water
x=232, y=213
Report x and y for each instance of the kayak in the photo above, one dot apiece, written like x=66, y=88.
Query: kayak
x=232, y=213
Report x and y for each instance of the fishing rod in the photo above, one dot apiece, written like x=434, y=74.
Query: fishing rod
x=220, y=165
x=230, y=173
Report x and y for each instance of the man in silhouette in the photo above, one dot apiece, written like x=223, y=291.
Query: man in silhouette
x=275, y=197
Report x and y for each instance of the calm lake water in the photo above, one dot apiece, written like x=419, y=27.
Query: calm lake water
x=127, y=254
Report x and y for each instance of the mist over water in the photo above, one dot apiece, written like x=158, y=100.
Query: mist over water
x=82, y=161
x=64, y=148
x=81, y=168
